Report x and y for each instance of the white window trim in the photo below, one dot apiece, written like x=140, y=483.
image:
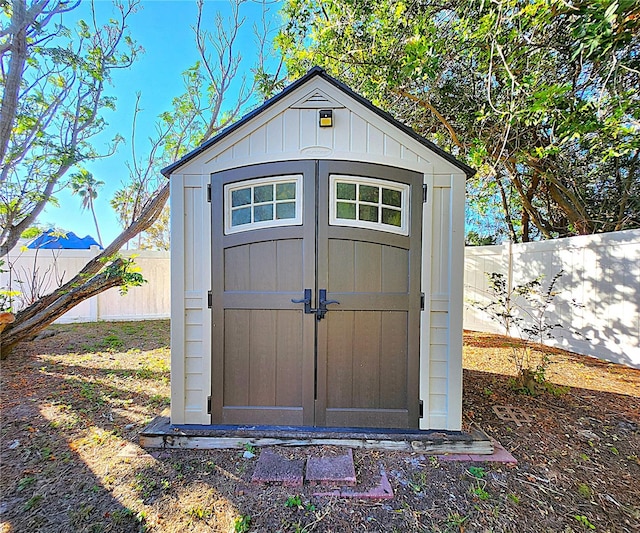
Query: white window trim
x=229, y=188
x=403, y=188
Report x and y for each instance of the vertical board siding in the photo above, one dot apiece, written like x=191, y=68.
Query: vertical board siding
x=393, y=360
x=262, y=367
x=274, y=135
x=375, y=140
x=598, y=300
x=191, y=255
x=290, y=132
x=242, y=149
x=392, y=148
x=341, y=134
x=237, y=274
x=395, y=279
x=289, y=273
x=291, y=119
x=309, y=132
x=326, y=136
x=225, y=156
x=258, y=141
x=366, y=355
x=342, y=265
x=408, y=155
x=368, y=267
x=237, y=347
x=262, y=266
x=289, y=358
x=263, y=363
x=359, y=131
x=340, y=341
x=297, y=131
x=441, y=242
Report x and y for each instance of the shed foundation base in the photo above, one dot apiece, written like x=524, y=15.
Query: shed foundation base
x=160, y=433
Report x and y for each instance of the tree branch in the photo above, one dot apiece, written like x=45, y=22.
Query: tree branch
x=427, y=105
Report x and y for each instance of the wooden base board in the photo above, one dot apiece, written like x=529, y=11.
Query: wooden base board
x=162, y=434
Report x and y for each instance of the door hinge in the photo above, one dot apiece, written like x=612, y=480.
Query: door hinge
x=209, y=192
x=424, y=193
x=209, y=300
x=422, y=301
x=209, y=406
x=421, y=409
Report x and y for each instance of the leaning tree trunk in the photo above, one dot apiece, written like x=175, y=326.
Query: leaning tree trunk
x=90, y=281
x=23, y=328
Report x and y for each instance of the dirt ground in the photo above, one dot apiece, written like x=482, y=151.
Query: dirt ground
x=74, y=400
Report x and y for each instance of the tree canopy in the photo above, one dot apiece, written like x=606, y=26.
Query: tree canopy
x=60, y=85
x=539, y=95
x=54, y=81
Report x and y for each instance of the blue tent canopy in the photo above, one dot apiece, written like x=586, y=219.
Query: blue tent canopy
x=51, y=240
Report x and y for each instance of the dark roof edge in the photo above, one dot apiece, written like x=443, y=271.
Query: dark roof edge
x=318, y=71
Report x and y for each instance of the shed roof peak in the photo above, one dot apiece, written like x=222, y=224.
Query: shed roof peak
x=306, y=78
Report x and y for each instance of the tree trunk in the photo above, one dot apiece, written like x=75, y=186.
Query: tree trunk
x=87, y=283
x=95, y=221
x=14, y=75
x=505, y=207
x=22, y=330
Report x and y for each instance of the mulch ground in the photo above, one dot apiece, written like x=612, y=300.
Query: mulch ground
x=74, y=400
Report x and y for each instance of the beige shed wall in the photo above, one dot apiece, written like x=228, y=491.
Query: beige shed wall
x=286, y=132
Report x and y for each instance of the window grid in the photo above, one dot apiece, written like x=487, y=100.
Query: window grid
x=261, y=203
x=379, y=206
x=369, y=203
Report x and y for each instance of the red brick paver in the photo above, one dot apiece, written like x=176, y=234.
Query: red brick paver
x=273, y=468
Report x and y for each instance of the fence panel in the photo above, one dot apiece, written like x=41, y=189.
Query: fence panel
x=38, y=272
x=598, y=303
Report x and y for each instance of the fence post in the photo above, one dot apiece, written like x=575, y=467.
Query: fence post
x=510, y=266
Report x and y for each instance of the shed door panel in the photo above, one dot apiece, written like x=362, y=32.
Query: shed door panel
x=275, y=364
x=368, y=345
x=262, y=347
x=263, y=257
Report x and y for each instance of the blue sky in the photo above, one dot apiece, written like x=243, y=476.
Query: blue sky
x=164, y=29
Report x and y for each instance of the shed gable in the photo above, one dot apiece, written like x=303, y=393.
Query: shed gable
x=287, y=126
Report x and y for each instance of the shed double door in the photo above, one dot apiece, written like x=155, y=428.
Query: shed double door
x=315, y=295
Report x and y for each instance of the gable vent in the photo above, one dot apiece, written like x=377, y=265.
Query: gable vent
x=316, y=100
x=317, y=97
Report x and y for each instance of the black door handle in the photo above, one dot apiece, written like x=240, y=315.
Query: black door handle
x=306, y=301
x=322, y=304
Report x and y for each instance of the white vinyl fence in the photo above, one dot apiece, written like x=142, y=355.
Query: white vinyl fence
x=598, y=300
x=40, y=271
x=598, y=303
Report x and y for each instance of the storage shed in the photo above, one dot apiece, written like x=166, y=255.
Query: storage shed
x=317, y=269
